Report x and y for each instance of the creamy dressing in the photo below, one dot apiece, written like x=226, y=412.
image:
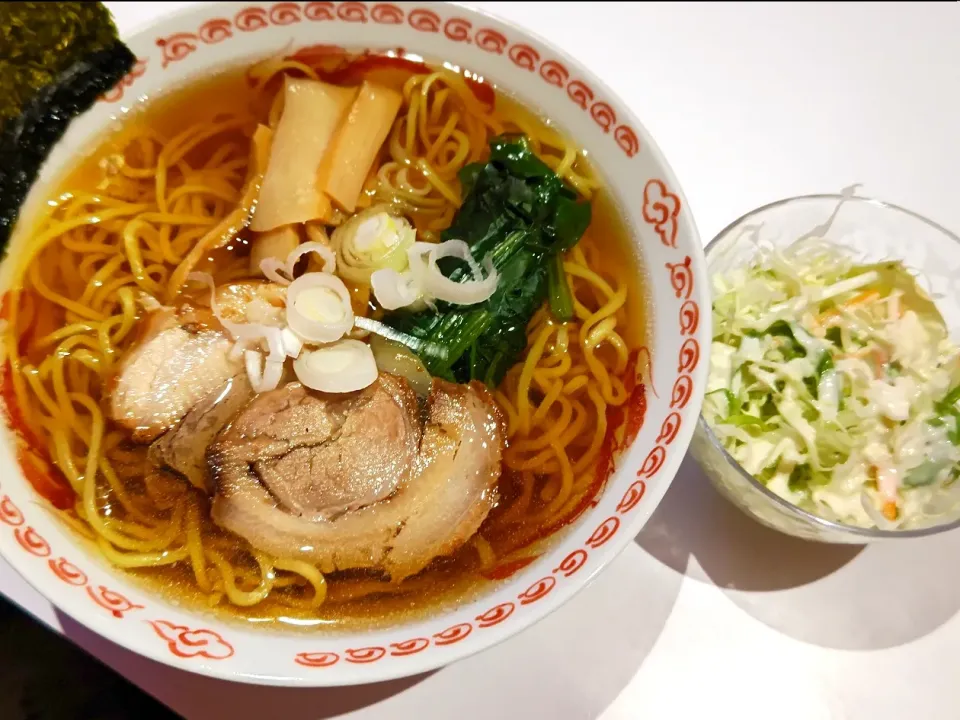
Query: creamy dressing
x=837, y=386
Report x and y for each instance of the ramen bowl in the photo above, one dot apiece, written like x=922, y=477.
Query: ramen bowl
x=872, y=231
x=638, y=462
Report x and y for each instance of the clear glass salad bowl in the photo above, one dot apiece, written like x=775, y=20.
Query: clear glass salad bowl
x=876, y=231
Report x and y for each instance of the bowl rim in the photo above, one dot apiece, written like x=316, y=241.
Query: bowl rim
x=867, y=534
x=665, y=471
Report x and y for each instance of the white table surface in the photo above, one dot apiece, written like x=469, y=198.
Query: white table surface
x=708, y=614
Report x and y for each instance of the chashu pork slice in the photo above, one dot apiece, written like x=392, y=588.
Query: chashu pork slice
x=184, y=448
x=183, y=358
x=322, y=454
x=169, y=373
x=442, y=479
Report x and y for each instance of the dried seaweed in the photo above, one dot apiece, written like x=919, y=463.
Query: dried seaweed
x=56, y=59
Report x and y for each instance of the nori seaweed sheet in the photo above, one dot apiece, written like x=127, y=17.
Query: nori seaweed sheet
x=56, y=59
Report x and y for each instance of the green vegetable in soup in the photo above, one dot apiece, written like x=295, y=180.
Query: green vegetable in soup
x=521, y=215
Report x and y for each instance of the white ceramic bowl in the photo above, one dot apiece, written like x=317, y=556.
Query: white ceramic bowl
x=199, y=41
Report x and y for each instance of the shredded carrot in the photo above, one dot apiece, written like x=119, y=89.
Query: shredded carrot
x=890, y=510
x=833, y=313
x=864, y=297
x=880, y=359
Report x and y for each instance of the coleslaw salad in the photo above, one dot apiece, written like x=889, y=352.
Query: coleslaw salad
x=835, y=384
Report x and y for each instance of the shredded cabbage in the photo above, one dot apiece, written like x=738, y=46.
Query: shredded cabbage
x=836, y=385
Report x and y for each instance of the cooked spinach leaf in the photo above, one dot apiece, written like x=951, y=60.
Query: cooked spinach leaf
x=521, y=215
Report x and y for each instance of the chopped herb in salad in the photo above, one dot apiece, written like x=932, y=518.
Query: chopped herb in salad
x=837, y=386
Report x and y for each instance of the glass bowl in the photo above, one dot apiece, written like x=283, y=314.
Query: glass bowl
x=877, y=231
